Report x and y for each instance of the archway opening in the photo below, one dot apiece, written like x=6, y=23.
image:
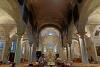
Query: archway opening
x=50, y=42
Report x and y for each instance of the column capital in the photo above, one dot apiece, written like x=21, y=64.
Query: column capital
x=69, y=44
x=81, y=29
x=18, y=35
x=81, y=34
x=30, y=43
x=69, y=41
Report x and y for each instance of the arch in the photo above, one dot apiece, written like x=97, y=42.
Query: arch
x=94, y=17
x=53, y=30
x=50, y=25
x=93, y=22
x=89, y=7
x=5, y=17
x=50, y=37
x=12, y=9
x=7, y=22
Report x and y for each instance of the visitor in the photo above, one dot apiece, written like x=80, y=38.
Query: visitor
x=59, y=61
x=42, y=60
x=13, y=65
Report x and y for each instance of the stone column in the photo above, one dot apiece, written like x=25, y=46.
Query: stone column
x=31, y=40
x=30, y=54
x=17, y=58
x=26, y=54
x=36, y=44
x=34, y=53
x=83, y=49
x=69, y=51
x=6, y=49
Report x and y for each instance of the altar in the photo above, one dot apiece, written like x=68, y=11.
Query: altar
x=51, y=64
x=50, y=55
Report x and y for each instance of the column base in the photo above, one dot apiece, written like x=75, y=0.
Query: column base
x=30, y=65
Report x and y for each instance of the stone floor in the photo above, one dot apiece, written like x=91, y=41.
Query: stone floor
x=73, y=65
x=85, y=65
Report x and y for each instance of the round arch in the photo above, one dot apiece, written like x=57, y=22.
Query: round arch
x=50, y=41
x=50, y=25
x=88, y=8
x=5, y=17
x=12, y=9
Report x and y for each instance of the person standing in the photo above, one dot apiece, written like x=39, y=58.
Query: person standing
x=42, y=61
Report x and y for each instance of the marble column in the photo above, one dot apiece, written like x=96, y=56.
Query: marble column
x=69, y=51
x=30, y=39
x=6, y=49
x=35, y=40
x=30, y=54
x=26, y=54
x=34, y=53
x=83, y=49
x=17, y=58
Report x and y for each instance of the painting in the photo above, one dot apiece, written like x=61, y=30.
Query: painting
x=98, y=50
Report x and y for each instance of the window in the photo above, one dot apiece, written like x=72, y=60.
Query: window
x=13, y=46
x=1, y=49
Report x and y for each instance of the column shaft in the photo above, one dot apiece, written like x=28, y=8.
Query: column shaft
x=83, y=50
x=6, y=50
x=30, y=54
x=69, y=52
x=26, y=54
x=34, y=53
x=18, y=51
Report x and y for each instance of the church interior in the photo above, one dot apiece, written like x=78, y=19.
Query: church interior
x=49, y=33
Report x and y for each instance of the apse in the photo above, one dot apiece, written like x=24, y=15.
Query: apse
x=49, y=40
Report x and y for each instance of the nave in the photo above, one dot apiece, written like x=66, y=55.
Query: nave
x=50, y=33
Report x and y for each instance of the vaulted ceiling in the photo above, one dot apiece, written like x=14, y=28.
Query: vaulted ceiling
x=50, y=11
x=10, y=17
